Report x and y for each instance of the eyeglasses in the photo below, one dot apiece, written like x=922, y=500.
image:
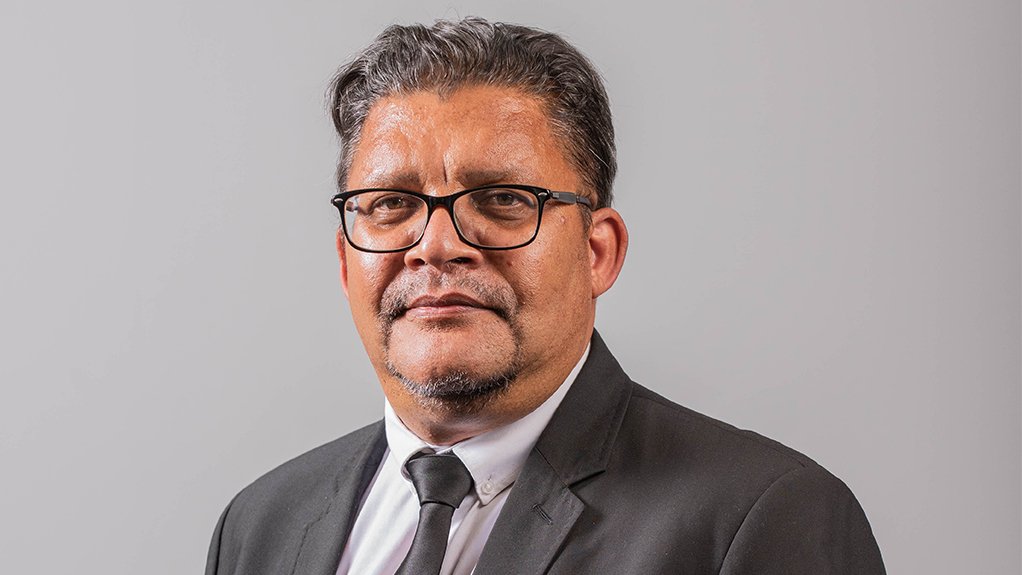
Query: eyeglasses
x=498, y=217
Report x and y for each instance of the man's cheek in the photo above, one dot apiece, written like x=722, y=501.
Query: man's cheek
x=369, y=283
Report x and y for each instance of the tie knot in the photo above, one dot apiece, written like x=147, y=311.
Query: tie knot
x=439, y=479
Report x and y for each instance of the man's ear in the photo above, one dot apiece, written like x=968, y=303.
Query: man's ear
x=344, y=261
x=608, y=242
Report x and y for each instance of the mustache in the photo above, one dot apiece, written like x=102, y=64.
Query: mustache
x=398, y=296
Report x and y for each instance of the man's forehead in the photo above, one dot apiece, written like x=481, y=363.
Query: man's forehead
x=484, y=109
x=473, y=136
x=508, y=100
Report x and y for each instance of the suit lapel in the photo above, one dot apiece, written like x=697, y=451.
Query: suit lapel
x=326, y=535
x=542, y=508
x=539, y=513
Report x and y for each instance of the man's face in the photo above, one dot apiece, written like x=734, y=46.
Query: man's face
x=446, y=324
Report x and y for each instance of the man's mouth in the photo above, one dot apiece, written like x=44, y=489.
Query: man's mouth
x=442, y=306
x=444, y=297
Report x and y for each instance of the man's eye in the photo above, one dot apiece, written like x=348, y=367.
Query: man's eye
x=392, y=202
x=504, y=199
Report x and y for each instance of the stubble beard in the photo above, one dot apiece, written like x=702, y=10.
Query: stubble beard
x=454, y=391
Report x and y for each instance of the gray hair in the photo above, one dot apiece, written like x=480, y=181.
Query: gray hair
x=449, y=55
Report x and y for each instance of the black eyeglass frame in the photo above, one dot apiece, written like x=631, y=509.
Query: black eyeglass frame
x=543, y=195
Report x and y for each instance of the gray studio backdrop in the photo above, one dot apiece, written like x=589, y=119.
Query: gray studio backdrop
x=823, y=197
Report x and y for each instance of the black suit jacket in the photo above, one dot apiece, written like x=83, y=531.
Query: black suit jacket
x=622, y=481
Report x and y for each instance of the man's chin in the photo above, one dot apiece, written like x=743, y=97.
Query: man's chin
x=461, y=369
x=456, y=391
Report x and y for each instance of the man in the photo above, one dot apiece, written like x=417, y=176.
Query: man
x=476, y=235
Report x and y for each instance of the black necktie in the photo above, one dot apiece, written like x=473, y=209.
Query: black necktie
x=441, y=481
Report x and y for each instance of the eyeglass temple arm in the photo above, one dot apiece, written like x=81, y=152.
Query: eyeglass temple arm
x=571, y=198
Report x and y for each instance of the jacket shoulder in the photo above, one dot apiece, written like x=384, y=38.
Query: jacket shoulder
x=265, y=525
x=704, y=437
x=751, y=504
x=311, y=472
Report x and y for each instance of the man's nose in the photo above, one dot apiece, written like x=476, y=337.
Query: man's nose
x=440, y=245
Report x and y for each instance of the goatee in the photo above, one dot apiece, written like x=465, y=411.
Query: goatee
x=454, y=390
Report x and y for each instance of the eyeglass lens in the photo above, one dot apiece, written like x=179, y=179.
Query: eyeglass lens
x=392, y=220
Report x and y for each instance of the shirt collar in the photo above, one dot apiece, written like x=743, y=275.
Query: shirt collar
x=494, y=458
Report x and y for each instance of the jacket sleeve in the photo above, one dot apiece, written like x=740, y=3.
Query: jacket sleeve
x=807, y=522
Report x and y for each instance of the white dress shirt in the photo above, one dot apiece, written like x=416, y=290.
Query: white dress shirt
x=385, y=525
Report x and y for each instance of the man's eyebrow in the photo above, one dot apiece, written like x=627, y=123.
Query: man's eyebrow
x=406, y=180
x=466, y=178
x=473, y=177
